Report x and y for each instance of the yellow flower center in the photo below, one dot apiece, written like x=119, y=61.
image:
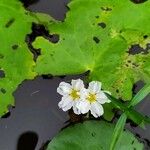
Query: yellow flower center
x=74, y=94
x=91, y=97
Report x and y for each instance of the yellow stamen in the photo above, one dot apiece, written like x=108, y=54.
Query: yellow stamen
x=91, y=97
x=74, y=94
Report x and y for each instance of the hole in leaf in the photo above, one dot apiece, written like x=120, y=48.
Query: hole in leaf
x=39, y=30
x=54, y=38
x=136, y=49
x=9, y=23
x=102, y=24
x=47, y=76
x=27, y=141
x=26, y=3
x=138, y=1
x=2, y=74
x=96, y=39
x=137, y=87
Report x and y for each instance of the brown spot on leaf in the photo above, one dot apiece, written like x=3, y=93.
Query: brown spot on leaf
x=93, y=134
x=102, y=25
x=96, y=39
x=14, y=47
x=145, y=36
x=9, y=23
x=106, y=8
x=3, y=90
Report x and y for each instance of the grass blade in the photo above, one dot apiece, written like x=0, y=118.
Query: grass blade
x=118, y=131
x=131, y=113
x=116, y=102
x=140, y=95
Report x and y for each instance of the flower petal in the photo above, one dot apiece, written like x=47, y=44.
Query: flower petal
x=64, y=88
x=94, y=86
x=97, y=109
x=77, y=84
x=75, y=108
x=83, y=106
x=102, y=98
x=66, y=103
x=83, y=94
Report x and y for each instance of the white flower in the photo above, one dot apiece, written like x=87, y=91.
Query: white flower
x=72, y=95
x=94, y=98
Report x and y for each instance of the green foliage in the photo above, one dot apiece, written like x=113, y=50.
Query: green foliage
x=140, y=95
x=92, y=135
x=16, y=60
x=96, y=36
x=131, y=113
x=118, y=131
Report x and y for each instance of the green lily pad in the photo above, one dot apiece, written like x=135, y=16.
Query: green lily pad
x=95, y=135
x=96, y=36
x=16, y=60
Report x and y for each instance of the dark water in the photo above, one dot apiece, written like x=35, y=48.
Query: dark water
x=36, y=110
x=36, y=117
x=56, y=8
x=143, y=107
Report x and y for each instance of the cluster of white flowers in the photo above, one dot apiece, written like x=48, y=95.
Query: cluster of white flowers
x=82, y=100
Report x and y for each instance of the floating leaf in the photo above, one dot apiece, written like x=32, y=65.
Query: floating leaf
x=93, y=135
x=96, y=36
x=16, y=60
